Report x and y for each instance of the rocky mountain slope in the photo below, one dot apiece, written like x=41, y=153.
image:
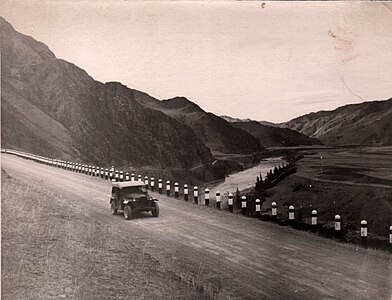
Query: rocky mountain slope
x=218, y=134
x=367, y=123
x=275, y=136
x=53, y=108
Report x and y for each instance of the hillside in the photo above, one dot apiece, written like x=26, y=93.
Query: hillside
x=274, y=136
x=53, y=108
x=367, y=123
x=218, y=134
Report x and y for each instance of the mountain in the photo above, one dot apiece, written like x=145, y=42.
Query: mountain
x=53, y=108
x=272, y=135
x=218, y=134
x=232, y=120
x=275, y=136
x=235, y=120
x=367, y=123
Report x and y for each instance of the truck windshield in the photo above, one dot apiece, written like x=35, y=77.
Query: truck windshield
x=134, y=190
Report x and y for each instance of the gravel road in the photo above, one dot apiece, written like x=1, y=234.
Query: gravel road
x=238, y=257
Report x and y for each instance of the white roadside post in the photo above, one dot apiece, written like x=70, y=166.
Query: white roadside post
x=243, y=205
x=139, y=177
x=274, y=211
x=207, y=197
x=160, y=186
x=364, y=233
x=146, y=181
x=338, y=226
x=314, y=220
x=176, y=189
x=390, y=239
x=186, y=192
x=106, y=174
x=218, y=200
x=111, y=173
x=152, y=183
x=127, y=176
x=291, y=213
x=258, y=208
x=116, y=176
x=121, y=176
x=132, y=177
x=168, y=188
x=196, y=195
x=230, y=202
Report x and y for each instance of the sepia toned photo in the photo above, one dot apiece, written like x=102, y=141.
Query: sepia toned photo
x=196, y=149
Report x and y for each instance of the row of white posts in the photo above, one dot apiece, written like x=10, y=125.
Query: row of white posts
x=116, y=175
x=337, y=225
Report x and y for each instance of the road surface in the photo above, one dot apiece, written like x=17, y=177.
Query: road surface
x=242, y=258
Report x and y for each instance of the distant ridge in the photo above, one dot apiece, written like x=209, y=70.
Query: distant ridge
x=234, y=120
x=218, y=134
x=272, y=136
x=367, y=123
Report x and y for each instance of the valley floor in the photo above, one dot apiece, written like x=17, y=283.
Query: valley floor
x=355, y=183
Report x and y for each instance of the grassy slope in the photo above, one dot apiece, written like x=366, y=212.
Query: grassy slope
x=54, y=249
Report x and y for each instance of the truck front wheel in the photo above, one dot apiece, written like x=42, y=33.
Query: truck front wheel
x=127, y=212
x=155, y=210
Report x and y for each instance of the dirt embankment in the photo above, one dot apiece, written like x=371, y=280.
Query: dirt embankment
x=54, y=249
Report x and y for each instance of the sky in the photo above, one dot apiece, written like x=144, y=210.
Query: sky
x=233, y=58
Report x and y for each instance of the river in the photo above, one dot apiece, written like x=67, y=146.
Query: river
x=245, y=179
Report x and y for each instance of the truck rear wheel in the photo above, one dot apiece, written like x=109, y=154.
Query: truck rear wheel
x=127, y=212
x=113, y=208
x=155, y=211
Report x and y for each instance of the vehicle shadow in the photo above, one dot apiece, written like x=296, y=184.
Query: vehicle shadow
x=138, y=215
